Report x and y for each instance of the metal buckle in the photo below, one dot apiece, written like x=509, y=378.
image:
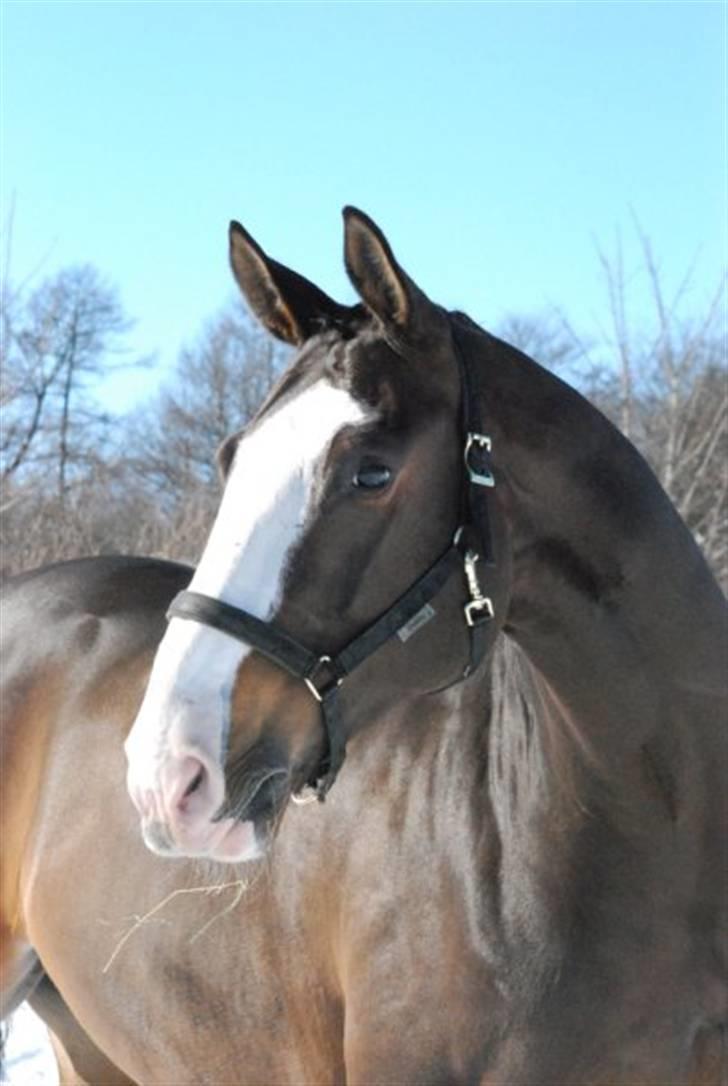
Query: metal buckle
x=472, y=609
x=478, y=477
x=479, y=608
x=323, y=661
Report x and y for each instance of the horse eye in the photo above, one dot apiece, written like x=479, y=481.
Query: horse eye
x=372, y=476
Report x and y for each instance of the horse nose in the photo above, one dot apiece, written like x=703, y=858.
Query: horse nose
x=192, y=788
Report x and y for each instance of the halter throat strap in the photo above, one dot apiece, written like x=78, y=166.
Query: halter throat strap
x=324, y=674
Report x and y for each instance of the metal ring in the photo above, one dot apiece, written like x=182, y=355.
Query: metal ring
x=301, y=800
x=323, y=661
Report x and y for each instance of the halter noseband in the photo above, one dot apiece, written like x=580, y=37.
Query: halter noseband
x=323, y=675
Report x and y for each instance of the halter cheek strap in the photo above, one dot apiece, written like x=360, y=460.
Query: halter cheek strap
x=323, y=675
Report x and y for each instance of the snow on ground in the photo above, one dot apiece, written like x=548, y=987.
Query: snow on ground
x=29, y=1058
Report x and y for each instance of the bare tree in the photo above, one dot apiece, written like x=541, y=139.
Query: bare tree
x=547, y=337
x=55, y=344
x=151, y=486
x=663, y=380
x=58, y=341
x=218, y=384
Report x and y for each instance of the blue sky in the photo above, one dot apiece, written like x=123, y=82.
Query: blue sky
x=495, y=143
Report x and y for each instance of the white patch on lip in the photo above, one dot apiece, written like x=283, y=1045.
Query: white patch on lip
x=228, y=841
x=261, y=518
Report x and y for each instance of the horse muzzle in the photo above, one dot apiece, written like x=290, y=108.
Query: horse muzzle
x=185, y=811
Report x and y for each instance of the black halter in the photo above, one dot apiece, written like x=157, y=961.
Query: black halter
x=323, y=675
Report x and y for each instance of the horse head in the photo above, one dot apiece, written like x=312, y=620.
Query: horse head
x=343, y=574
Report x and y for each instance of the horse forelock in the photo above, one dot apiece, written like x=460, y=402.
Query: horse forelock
x=396, y=390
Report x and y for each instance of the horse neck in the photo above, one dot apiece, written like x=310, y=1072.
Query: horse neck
x=611, y=599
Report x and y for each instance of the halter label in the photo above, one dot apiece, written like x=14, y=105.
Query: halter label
x=416, y=623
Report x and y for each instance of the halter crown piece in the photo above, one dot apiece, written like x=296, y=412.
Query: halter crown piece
x=323, y=675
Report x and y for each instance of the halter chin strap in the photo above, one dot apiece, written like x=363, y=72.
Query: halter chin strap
x=323, y=675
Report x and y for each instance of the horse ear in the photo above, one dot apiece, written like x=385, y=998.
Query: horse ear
x=290, y=307
x=383, y=285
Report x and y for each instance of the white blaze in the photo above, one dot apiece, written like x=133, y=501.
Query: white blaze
x=261, y=517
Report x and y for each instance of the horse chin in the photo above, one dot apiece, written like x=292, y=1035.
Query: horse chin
x=227, y=841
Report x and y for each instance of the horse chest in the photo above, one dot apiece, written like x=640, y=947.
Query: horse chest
x=447, y=979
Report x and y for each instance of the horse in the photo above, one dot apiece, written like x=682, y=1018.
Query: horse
x=419, y=776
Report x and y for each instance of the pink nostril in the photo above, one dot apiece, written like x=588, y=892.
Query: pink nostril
x=194, y=783
x=192, y=789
